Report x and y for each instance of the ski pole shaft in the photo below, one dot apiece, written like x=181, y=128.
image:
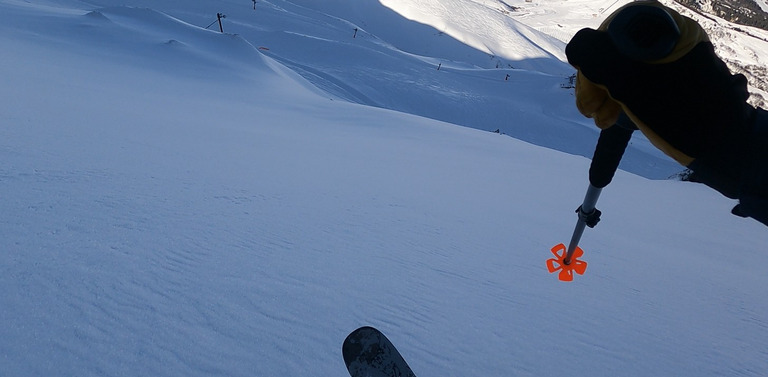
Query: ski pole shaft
x=587, y=207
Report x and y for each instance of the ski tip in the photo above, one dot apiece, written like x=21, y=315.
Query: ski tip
x=368, y=353
x=350, y=349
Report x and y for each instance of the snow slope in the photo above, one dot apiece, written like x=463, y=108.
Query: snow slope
x=515, y=23
x=763, y=4
x=178, y=202
x=392, y=63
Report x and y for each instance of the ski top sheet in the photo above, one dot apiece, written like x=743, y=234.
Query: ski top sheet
x=368, y=353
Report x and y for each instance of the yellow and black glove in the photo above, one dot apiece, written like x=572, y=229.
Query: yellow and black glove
x=660, y=69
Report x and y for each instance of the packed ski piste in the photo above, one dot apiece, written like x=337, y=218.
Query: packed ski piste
x=243, y=187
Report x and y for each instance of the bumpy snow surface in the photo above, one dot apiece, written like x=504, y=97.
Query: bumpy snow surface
x=176, y=201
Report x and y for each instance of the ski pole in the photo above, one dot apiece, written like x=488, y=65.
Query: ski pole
x=566, y=260
x=588, y=215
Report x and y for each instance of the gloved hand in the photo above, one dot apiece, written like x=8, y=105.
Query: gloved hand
x=609, y=58
x=661, y=70
x=594, y=102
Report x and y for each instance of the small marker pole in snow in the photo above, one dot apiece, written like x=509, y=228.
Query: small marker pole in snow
x=354, y=35
x=219, y=16
x=567, y=260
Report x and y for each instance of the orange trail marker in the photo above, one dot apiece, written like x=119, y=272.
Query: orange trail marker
x=566, y=260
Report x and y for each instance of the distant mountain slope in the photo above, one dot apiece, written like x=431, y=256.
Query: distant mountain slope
x=742, y=12
x=743, y=48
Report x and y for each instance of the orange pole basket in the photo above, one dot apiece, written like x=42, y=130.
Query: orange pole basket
x=566, y=269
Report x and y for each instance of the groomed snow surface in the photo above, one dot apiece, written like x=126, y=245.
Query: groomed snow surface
x=175, y=201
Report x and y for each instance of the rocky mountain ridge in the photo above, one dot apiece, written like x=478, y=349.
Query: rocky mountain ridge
x=742, y=12
x=739, y=30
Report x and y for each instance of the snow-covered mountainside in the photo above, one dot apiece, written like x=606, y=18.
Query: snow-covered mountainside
x=743, y=48
x=180, y=202
x=498, y=27
x=743, y=12
x=763, y=4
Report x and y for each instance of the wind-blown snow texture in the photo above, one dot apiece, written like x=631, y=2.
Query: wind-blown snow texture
x=179, y=202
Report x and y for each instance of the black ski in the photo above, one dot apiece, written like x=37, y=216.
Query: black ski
x=368, y=353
